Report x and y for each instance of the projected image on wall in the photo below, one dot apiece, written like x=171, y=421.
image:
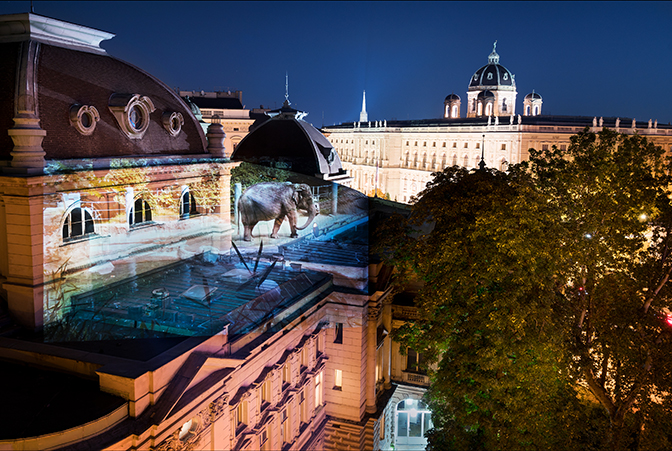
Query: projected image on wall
x=150, y=252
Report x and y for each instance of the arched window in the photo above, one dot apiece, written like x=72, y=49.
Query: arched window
x=454, y=159
x=434, y=161
x=504, y=107
x=527, y=110
x=78, y=223
x=503, y=165
x=424, y=161
x=536, y=110
x=488, y=109
x=140, y=213
x=480, y=109
x=187, y=205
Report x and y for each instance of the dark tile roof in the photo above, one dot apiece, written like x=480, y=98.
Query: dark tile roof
x=226, y=103
x=66, y=77
x=37, y=402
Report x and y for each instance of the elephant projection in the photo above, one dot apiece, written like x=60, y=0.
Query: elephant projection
x=275, y=200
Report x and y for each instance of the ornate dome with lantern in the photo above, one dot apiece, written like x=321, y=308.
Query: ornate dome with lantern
x=492, y=89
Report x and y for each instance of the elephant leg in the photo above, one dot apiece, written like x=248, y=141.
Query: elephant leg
x=276, y=226
x=247, y=232
x=292, y=217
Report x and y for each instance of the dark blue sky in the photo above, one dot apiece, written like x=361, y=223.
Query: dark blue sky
x=593, y=59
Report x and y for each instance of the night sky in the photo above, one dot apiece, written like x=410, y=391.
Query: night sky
x=591, y=59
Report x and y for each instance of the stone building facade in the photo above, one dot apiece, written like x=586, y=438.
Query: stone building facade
x=396, y=158
x=129, y=320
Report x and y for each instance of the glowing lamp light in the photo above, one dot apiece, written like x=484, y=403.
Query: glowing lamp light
x=643, y=217
x=668, y=319
x=587, y=236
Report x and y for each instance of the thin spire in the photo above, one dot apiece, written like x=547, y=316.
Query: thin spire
x=287, y=89
x=363, y=116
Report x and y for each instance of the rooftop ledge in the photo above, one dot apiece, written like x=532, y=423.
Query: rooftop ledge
x=25, y=26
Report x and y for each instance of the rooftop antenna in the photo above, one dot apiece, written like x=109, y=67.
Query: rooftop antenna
x=287, y=89
x=32, y=8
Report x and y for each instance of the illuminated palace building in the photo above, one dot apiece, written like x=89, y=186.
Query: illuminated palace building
x=397, y=157
x=135, y=313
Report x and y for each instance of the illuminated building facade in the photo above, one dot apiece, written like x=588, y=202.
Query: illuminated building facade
x=141, y=325
x=397, y=158
x=223, y=107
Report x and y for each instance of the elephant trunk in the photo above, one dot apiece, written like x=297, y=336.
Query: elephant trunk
x=311, y=215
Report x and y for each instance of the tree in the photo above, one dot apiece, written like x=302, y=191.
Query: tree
x=542, y=299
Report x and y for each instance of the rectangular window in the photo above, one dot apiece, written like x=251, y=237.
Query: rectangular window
x=304, y=357
x=287, y=373
x=319, y=347
x=302, y=407
x=318, y=389
x=563, y=147
x=544, y=147
x=338, y=380
x=265, y=394
x=379, y=364
x=241, y=414
x=339, y=333
x=285, y=426
x=415, y=361
x=263, y=438
x=503, y=146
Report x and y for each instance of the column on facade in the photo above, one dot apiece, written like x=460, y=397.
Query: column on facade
x=387, y=345
x=25, y=275
x=371, y=357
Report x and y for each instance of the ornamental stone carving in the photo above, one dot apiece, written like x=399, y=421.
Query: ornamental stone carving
x=84, y=118
x=132, y=113
x=172, y=122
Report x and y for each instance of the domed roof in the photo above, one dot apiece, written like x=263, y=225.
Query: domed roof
x=286, y=140
x=532, y=95
x=452, y=97
x=73, y=80
x=493, y=75
x=486, y=95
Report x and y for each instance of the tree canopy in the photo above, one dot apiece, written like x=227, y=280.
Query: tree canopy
x=544, y=298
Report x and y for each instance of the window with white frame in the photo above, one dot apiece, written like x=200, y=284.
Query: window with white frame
x=140, y=213
x=78, y=223
x=187, y=205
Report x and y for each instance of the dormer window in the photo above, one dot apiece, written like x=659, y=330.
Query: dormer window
x=132, y=113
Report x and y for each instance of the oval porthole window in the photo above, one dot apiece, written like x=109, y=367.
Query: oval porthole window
x=135, y=117
x=172, y=122
x=132, y=113
x=84, y=118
